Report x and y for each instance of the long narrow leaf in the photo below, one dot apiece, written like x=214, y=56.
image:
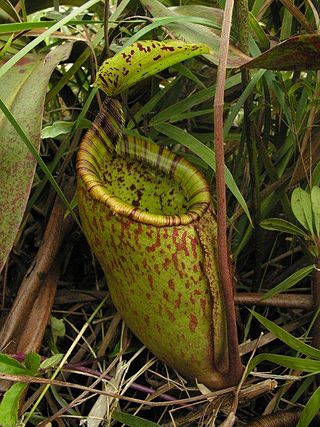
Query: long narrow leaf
x=132, y=420
x=290, y=281
x=287, y=338
x=278, y=224
x=311, y=409
x=305, y=365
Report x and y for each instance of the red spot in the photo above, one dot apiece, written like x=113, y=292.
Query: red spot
x=171, y=284
x=197, y=292
x=203, y=303
x=151, y=281
x=148, y=296
x=182, y=244
x=194, y=245
x=156, y=58
x=155, y=245
x=165, y=295
x=140, y=47
x=158, y=328
x=177, y=302
x=169, y=48
x=176, y=265
x=166, y=263
x=23, y=61
x=147, y=319
x=192, y=300
x=95, y=223
x=171, y=316
x=137, y=234
x=149, y=233
x=137, y=267
x=157, y=269
x=97, y=241
x=193, y=322
x=195, y=268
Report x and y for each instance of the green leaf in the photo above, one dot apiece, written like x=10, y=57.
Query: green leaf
x=132, y=420
x=290, y=281
x=302, y=209
x=11, y=366
x=51, y=361
x=206, y=154
x=316, y=175
x=310, y=410
x=61, y=127
x=141, y=60
x=9, y=405
x=32, y=362
x=306, y=365
x=278, y=224
x=315, y=202
x=287, y=338
x=191, y=101
x=22, y=91
x=258, y=32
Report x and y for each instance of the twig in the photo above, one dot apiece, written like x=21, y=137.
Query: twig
x=303, y=301
x=235, y=367
x=106, y=25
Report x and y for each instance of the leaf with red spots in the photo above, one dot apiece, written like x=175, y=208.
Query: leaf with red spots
x=296, y=53
x=141, y=60
x=23, y=91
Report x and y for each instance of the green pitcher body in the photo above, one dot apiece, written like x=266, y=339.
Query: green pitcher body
x=148, y=217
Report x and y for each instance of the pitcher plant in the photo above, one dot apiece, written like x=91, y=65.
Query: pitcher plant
x=148, y=217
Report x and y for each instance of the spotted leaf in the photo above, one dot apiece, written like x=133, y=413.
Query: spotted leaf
x=141, y=60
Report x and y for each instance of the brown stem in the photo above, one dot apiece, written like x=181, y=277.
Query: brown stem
x=235, y=367
x=106, y=25
x=302, y=301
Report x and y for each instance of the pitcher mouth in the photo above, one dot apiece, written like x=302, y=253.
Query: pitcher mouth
x=91, y=160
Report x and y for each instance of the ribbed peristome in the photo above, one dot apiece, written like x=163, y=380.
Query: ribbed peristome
x=105, y=137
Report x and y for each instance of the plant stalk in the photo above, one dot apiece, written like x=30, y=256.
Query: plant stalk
x=235, y=367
